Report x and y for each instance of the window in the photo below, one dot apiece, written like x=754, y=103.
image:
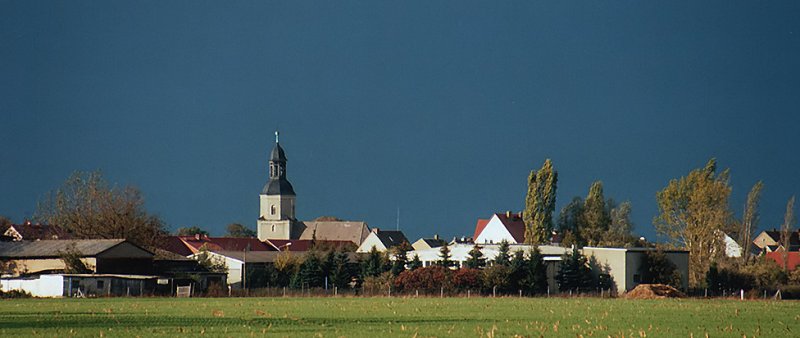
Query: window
x=101, y=284
x=273, y=228
x=273, y=209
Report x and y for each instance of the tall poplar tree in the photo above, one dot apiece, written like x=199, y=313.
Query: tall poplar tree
x=595, y=220
x=540, y=203
x=750, y=219
x=786, y=231
x=693, y=212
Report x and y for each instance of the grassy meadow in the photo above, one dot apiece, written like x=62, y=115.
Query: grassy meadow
x=398, y=317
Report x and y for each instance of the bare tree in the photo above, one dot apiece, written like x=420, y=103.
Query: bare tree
x=88, y=207
x=750, y=219
x=786, y=231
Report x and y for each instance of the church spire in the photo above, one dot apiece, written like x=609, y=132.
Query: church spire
x=276, y=136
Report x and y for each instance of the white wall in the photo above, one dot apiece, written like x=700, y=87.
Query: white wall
x=371, y=240
x=42, y=286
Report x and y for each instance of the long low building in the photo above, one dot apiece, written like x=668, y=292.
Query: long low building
x=624, y=265
x=459, y=253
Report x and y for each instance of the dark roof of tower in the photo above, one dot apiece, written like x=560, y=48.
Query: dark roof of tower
x=277, y=154
x=279, y=186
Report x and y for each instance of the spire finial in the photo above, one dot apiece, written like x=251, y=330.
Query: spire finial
x=276, y=136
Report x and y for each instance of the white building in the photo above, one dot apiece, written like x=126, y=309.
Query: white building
x=459, y=254
x=382, y=240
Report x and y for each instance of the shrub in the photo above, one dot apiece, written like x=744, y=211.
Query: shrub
x=427, y=278
x=467, y=278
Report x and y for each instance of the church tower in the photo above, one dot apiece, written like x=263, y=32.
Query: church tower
x=276, y=214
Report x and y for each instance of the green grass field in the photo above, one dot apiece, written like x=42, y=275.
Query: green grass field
x=402, y=317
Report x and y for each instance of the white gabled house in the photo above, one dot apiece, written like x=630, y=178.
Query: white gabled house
x=500, y=227
x=382, y=240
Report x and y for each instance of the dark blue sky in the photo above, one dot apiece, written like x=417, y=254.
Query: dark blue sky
x=438, y=108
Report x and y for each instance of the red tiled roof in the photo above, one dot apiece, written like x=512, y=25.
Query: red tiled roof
x=224, y=243
x=175, y=245
x=480, y=226
x=514, y=225
x=793, y=259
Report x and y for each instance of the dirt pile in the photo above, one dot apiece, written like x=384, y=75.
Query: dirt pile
x=654, y=291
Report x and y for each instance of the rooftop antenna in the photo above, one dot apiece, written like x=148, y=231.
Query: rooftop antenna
x=398, y=219
x=276, y=136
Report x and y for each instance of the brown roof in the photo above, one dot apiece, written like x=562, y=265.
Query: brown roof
x=33, y=232
x=515, y=226
x=351, y=231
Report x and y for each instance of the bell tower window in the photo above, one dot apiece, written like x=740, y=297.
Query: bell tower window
x=272, y=209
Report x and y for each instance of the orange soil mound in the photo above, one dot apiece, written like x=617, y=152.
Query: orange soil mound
x=653, y=291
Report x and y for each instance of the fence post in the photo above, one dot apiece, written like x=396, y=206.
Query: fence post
x=441, y=292
x=494, y=291
x=741, y=294
x=548, y=291
x=520, y=293
x=468, y=293
x=284, y=291
x=417, y=294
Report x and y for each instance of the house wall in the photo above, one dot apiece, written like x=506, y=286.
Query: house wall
x=371, y=240
x=40, y=286
x=495, y=232
x=613, y=262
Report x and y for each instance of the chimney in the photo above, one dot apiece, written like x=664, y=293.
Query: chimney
x=508, y=214
x=197, y=237
x=436, y=236
x=375, y=230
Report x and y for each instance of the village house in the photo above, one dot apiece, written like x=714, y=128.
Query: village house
x=770, y=241
x=382, y=240
x=427, y=243
x=29, y=231
x=500, y=227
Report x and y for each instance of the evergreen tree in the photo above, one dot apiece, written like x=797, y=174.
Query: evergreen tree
x=310, y=273
x=372, y=265
x=475, y=259
x=595, y=220
x=415, y=263
x=574, y=272
x=713, y=280
x=503, y=257
x=517, y=271
x=400, y=258
x=540, y=204
x=328, y=263
x=340, y=273
x=444, y=255
x=535, y=278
